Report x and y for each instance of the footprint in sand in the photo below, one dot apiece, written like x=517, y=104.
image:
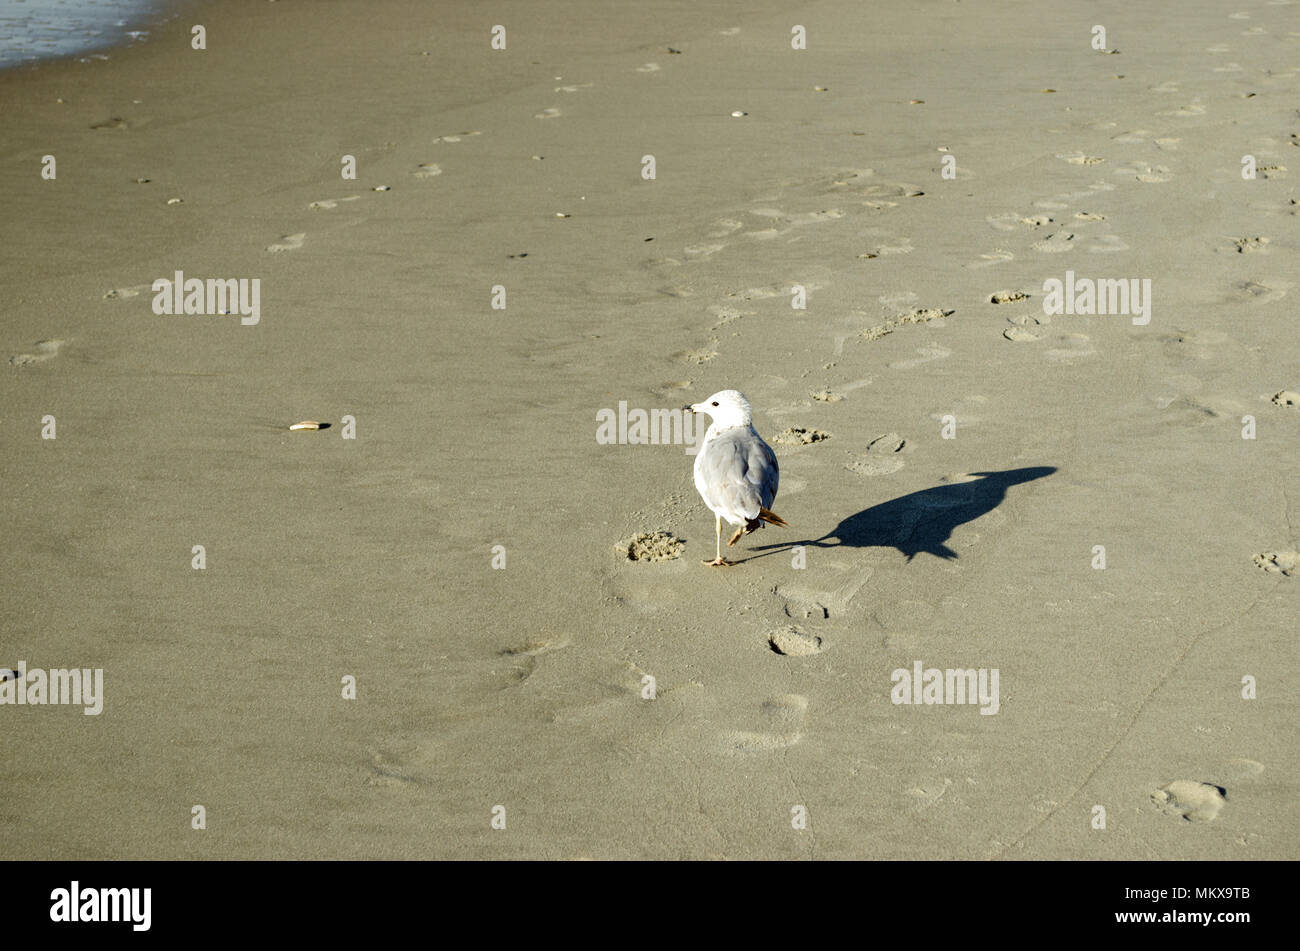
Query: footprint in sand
x=113, y=123
x=1189, y=410
x=288, y=242
x=724, y=227
x=395, y=765
x=1106, y=244
x=1007, y=297
x=610, y=691
x=792, y=641
x=1143, y=172
x=879, y=197
x=929, y=791
x=651, y=547
x=541, y=645
x=1285, y=563
x=1071, y=347
x=882, y=456
x=551, y=113
x=800, y=436
x=1240, y=768
x=925, y=315
x=648, y=68
x=1190, y=800
x=790, y=220
x=804, y=602
x=769, y=291
x=1134, y=137
x=457, y=137
x=698, y=357
x=1005, y=221
x=1021, y=335
x=516, y=674
x=1193, y=344
x=726, y=314
x=680, y=291
x=855, y=183
x=1079, y=158
x=890, y=246
x=965, y=417
x=996, y=256
x=698, y=251
x=783, y=716
x=428, y=170
x=846, y=178
x=524, y=659
x=924, y=355
x=1257, y=292
x=42, y=350
x=328, y=204
x=1055, y=243
x=120, y=293
x=1255, y=245
x=1014, y=221
x=671, y=389
x=885, y=190
x=1286, y=398
x=1101, y=186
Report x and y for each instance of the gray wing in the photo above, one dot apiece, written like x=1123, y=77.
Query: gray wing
x=740, y=472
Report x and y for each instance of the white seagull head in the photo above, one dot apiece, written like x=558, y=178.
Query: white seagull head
x=728, y=408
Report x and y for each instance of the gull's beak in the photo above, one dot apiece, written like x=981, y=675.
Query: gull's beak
x=689, y=409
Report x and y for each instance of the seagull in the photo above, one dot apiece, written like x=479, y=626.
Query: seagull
x=735, y=471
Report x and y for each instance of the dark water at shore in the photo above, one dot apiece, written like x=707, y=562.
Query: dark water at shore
x=33, y=30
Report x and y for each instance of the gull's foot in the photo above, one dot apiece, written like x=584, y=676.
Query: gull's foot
x=720, y=563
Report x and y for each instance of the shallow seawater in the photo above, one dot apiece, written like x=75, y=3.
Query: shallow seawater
x=33, y=30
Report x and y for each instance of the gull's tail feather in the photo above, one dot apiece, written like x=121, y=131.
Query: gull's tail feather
x=770, y=516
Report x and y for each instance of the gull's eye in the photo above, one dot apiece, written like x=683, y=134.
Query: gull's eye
x=715, y=402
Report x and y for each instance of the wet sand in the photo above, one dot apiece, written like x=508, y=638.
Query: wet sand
x=955, y=470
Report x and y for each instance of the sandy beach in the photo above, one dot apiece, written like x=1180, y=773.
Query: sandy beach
x=419, y=633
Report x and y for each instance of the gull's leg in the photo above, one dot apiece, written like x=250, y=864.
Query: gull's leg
x=718, y=562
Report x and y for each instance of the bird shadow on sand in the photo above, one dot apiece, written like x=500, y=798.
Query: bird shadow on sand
x=921, y=521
